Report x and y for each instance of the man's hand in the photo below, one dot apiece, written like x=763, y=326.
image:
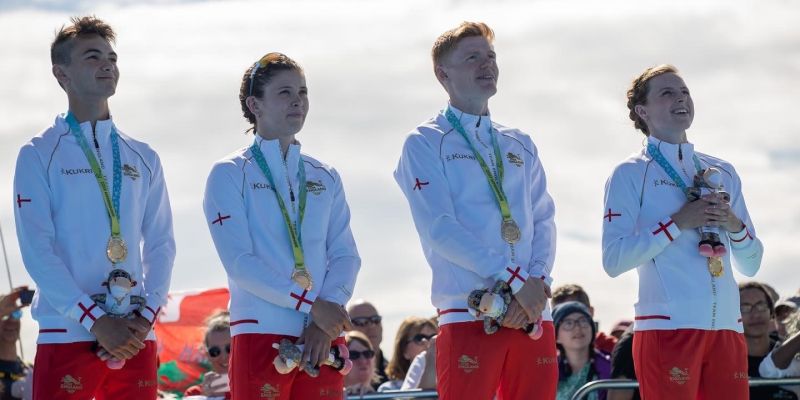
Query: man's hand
x=330, y=317
x=142, y=329
x=317, y=344
x=532, y=297
x=515, y=316
x=117, y=337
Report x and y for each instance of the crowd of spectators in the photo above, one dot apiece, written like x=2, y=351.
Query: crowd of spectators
x=771, y=330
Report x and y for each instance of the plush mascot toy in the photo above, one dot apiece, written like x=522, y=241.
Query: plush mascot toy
x=709, y=181
x=118, y=302
x=289, y=354
x=492, y=305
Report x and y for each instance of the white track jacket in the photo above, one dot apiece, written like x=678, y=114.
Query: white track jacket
x=456, y=214
x=253, y=243
x=676, y=291
x=63, y=227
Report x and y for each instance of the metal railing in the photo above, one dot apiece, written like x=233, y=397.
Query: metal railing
x=398, y=394
x=604, y=384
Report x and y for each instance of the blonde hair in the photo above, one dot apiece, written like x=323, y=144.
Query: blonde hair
x=447, y=41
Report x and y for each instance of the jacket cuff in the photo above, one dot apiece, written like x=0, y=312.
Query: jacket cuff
x=742, y=238
x=301, y=299
x=515, y=277
x=86, y=312
x=665, y=231
x=538, y=269
x=149, y=313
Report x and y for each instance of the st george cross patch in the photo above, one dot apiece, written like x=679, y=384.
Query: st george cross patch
x=419, y=184
x=20, y=200
x=610, y=215
x=220, y=219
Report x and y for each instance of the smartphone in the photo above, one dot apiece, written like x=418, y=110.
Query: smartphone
x=26, y=296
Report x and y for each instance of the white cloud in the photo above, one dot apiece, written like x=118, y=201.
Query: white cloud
x=564, y=70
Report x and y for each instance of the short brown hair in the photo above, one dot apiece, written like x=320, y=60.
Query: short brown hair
x=398, y=366
x=570, y=292
x=637, y=93
x=258, y=75
x=447, y=41
x=79, y=27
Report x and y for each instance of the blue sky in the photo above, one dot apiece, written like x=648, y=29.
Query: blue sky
x=564, y=68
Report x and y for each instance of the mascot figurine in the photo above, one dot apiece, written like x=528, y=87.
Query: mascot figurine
x=709, y=181
x=289, y=354
x=492, y=305
x=118, y=302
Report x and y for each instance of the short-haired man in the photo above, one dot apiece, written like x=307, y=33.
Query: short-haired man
x=90, y=202
x=478, y=196
x=365, y=319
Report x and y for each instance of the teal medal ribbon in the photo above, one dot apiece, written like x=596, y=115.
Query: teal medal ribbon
x=116, y=249
x=667, y=167
x=300, y=274
x=509, y=230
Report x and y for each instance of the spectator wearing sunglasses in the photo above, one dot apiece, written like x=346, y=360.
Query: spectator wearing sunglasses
x=413, y=337
x=362, y=377
x=217, y=341
x=365, y=319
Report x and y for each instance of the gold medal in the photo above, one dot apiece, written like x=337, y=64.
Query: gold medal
x=715, y=266
x=302, y=278
x=116, y=250
x=509, y=231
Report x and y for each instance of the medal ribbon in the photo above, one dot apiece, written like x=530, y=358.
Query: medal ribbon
x=665, y=165
x=294, y=230
x=495, y=183
x=112, y=205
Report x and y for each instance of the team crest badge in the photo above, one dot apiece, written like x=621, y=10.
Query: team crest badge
x=315, y=187
x=514, y=159
x=130, y=171
x=679, y=376
x=467, y=363
x=269, y=392
x=70, y=384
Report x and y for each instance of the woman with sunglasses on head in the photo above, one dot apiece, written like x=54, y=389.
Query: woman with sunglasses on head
x=413, y=337
x=658, y=206
x=281, y=227
x=217, y=341
x=578, y=361
x=361, y=378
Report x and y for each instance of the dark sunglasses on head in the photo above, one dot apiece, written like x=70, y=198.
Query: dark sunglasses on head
x=367, y=354
x=364, y=321
x=418, y=338
x=215, y=351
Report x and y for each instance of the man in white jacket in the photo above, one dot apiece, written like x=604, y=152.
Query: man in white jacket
x=688, y=324
x=478, y=196
x=90, y=202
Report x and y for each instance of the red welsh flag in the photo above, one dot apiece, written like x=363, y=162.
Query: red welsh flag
x=180, y=329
